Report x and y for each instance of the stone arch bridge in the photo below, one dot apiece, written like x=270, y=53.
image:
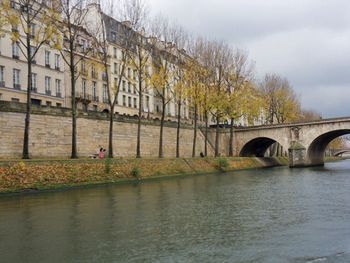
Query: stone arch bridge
x=304, y=142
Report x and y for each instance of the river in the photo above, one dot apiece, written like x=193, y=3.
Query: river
x=268, y=215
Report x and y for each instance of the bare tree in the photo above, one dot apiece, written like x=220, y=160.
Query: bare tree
x=130, y=43
x=76, y=45
x=280, y=101
x=31, y=29
x=220, y=62
x=238, y=78
x=135, y=11
x=179, y=91
x=164, y=63
x=196, y=78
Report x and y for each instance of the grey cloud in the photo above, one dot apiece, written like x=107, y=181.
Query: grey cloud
x=307, y=41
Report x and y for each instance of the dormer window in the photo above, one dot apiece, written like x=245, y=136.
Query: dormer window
x=114, y=36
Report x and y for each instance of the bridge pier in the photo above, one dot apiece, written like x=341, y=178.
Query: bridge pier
x=297, y=155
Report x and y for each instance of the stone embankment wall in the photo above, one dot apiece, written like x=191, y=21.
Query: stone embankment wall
x=50, y=134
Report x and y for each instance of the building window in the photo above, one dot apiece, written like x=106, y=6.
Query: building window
x=49, y=103
x=58, y=105
x=135, y=103
x=57, y=61
x=32, y=30
x=134, y=75
x=124, y=83
x=129, y=102
x=32, y=54
x=129, y=73
x=15, y=50
x=2, y=72
x=124, y=100
x=129, y=87
x=58, y=88
x=34, y=78
x=16, y=79
x=105, y=96
x=114, y=36
x=135, y=89
x=147, y=103
x=83, y=67
x=47, y=58
x=115, y=68
x=83, y=87
x=47, y=85
x=93, y=72
x=94, y=91
x=115, y=52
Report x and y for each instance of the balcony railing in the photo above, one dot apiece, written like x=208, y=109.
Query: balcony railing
x=57, y=68
x=83, y=97
x=15, y=56
x=95, y=98
x=48, y=65
x=105, y=100
x=2, y=84
x=17, y=86
x=58, y=94
x=34, y=90
x=83, y=72
x=48, y=92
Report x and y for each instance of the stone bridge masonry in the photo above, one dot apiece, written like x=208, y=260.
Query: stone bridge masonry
x=305, y=142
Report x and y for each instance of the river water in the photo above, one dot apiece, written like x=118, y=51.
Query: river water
x=268, y=215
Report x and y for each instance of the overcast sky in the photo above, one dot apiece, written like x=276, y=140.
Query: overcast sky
x=307, y=41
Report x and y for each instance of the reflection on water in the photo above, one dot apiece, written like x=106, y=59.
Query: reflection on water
x=270, y=215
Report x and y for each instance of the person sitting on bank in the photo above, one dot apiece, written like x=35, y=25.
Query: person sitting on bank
x=101, y=154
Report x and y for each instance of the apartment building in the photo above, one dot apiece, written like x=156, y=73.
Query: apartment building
x=51, y=77
x=47, y=76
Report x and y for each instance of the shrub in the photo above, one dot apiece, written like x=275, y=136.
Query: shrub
x=222, y=165
x=135, y=172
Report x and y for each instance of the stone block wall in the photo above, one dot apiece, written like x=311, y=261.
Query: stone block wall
x=50, y=136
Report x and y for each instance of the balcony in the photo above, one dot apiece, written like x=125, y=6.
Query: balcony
x=15, y=56
x=95, y=98
x=48, y=92
x=58, y=94
x=57, y=68
x=34, y=90
x=83, y=97
x=17, y=86
x=48, y=65
x=105, y=100
x=2, y=84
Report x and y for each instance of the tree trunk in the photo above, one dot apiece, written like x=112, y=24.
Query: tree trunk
x=74, y=154
x=110, y=135
x=25, y=154
x=217, y=136
x=194, y=132
x=138, y=143
x=161, y=155
x=230, y=151
x=178, y=129
x=206, y=135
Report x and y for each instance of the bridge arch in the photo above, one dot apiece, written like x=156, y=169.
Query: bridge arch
x=256, y=147
x=317, y=147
